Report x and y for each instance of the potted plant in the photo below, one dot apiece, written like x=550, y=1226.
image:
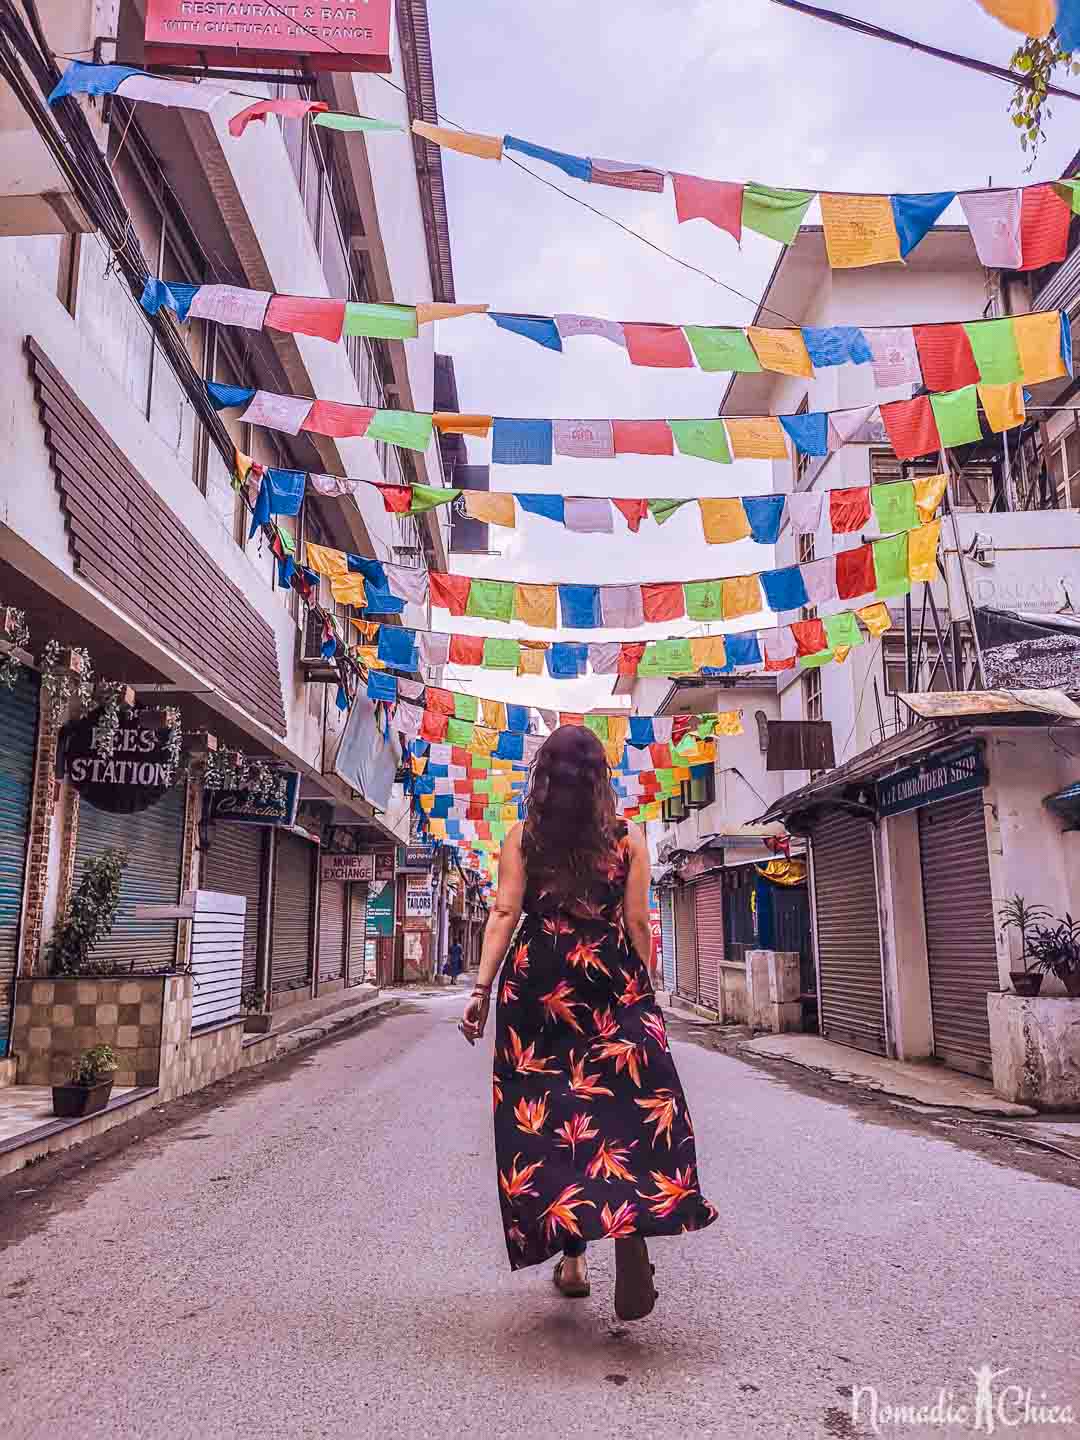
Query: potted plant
x=1017, y=914
x=1056, y=949
x=90, y=915
x=257, y=1019
x=90, y=1085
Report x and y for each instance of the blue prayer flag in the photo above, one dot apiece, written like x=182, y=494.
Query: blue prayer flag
x=381, y=686
x=286, y=489
x=437, y=772
x=82, y=79
x=517, y=719
x=397, y=647
x=576, y=166
x=510, y=747
x=763, y=515
x=371, y=570
x=521, y=442
x=381, y=602
x=173, y=296
x=552, y=507
x=784, y=589
x=540, y=328
x=836, y=345
x=286, y=569
x=742, y=650
x=580, y=606
x=423, y=784
x=1066, y=323
x=260, y=513
x=641, y=730
x=914, y=215
x=808, y=433
x=342, y=698
x=228, y=397
x=566, y=661
x=1067, y=24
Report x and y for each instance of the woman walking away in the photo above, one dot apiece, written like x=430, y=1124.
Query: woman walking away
x=592, y=1135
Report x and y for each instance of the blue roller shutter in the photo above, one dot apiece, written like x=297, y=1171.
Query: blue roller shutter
x=18, y=736
x=667, y=938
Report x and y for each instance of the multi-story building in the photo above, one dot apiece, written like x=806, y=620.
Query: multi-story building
x=121, y=530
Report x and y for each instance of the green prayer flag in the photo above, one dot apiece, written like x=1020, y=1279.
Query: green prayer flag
x=719, y=348
x=687, y=745
x=334, y=120
x=466, y=707
x=492, y=812
x=706, y=727
x=994, y=345
x=776, y=213
x=401, y=427
x=891, y=567
x=811, y=662
x=501, y=654
x=483, y=787
x=598, y=724
x=666, y=657
x=842, y=630
x=894, y=505
x=479, y=762
x=707, y=439
x=490, y=600
x=662, y=510
x=704, y=599
x=459, y=732
x=381, y=322
x=426, y=497
x=666, y=779
x=957, y=416
x=288, y=541
x=499, y=830
x=1069, y=191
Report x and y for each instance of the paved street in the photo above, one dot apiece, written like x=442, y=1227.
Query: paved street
x=320, y=1256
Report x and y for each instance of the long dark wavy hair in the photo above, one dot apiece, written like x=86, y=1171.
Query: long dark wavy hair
x=571, y=824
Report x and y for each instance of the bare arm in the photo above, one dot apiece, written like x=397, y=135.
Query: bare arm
x=636, y=896
x=498, y=932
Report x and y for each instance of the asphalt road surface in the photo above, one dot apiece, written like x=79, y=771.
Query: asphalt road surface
x=316, y=1252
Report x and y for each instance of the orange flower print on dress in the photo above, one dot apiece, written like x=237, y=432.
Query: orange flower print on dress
x=509, y=992
x=522, y=1058
x=517, y=1182
x=556, y=925
x=496, y=1093
x=633, y=994
x=587, y=958
x=575, y=1131
x=627, y=1056
x=662, y=1108
x=670, y=1192
x=587, y=1086
x=653, y=1023
x=558, y=1005
x=531, y=1115
x=520, y=962
x=606, y=1024
x=609, y=1162
x=619, y=1224
x=561, y=1214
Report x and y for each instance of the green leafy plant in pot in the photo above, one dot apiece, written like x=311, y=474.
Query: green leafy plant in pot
x=257, y=1019
x=89, y=1086
x=1016, y=914
x=90, y=916
x=1056, y=951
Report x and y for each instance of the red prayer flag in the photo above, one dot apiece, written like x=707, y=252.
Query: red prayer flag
x=810, y=636
x=466, y=649
x=449, y=592
x=719, y=201
x=849, y=509
x=332, y=417
x=661, y=755
x=634, y=511
x=911, y=427
x=434, y=726
x=630, y=657
x=483, y=830
x=643, y=437
x=441, y=701
x=663, y=347
x=292, y=109
x=476, y=809
x=397, y=499
x=462, y=787
x=568, y=717
x=663, y=602
x=680, y=726
x=301, y=315
x=947, y=359
x=854, y=575
x=460, y=756
x=780, y=664
x=1044, y=226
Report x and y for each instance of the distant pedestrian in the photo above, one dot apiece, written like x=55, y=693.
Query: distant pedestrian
x=592, y=1134
x=455, y=962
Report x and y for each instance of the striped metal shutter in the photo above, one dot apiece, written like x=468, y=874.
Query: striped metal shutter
x=848, y=933
x=686, y=961
x=332, y=902
x=709, y=923
x=667, y=938
x=234, y=866
x=357, y=934
x=154, y=841
x=294, y=894
x=18, y=736
x=960, y=940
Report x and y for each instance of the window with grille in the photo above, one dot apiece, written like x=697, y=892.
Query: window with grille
x=802, y=462
x=812, y=706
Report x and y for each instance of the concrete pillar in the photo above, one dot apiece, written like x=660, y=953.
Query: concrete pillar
x=903, y=937
x=773, y=990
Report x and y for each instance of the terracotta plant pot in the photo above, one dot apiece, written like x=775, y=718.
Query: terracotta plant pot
x=1026, y=982
x=258, y=1022
x=71, y=1102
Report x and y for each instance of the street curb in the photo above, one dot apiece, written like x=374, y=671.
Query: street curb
x=293, y=1040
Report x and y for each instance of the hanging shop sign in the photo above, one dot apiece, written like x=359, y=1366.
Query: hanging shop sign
x=243, y=807
x=348, y=868
x=415, y=857
x=139, y=771
x=937, y=778
x=380, y=910
x=419, y=898
x=384, y=865
x=253, y=33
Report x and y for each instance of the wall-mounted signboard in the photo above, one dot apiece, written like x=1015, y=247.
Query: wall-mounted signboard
x=256, y=33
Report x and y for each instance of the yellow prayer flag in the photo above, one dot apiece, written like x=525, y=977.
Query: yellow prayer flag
x=493, y=507
x=708, y=650
x=783, y=351
x=437, y=826
x=729, y=722
x=369, y=629
x=1038, y=341
x=419, y=764
x=367, y=655
x=535, y=605
x=723, y=521
x=1004, y=405
x=530, y=662
x=651, y=811
x=502, y=765
x=741, y=596
x=484, y=740
x=876, y=617
x=509, y=813
x=448, y=422
x=929, y=493
x=758, y=439
x=349, y=590
x=430, y=310
x=493, y=714
x=681, y=772
x=859, y=230
x=1030, y=17
x=922, y=552
x=841, y=653
x=325, y=561
x=427, y=802
x=615, y=744
x=466, y=142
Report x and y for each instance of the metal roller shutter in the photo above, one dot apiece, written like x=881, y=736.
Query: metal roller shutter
x=667, y=938
x=294, y=893
x=18, y=736
x=709, y=924
x=154, y=841
x=332, y=930
x=357, y=973
x=848, y=932
x=234, y=866
x=960, y=941
x=686, y=961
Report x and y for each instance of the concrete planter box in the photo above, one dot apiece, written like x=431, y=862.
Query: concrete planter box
x=1035, y=1046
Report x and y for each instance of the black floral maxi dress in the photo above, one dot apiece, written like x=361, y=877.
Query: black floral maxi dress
x=593, y=1138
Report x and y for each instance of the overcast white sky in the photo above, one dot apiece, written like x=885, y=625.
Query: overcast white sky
x=733, y=91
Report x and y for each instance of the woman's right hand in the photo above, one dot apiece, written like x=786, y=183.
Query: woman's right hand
x=475, y=1017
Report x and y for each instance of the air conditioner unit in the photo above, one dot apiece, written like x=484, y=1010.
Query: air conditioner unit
x=317, y=669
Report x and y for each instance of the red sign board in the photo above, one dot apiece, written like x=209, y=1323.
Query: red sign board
x=352, y=36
